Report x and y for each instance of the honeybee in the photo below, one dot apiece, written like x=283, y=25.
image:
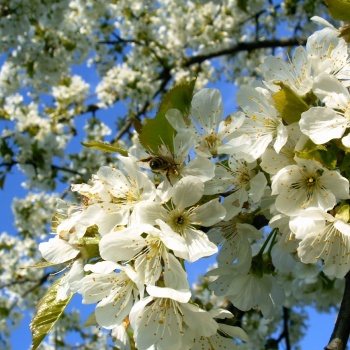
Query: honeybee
x=162, y=164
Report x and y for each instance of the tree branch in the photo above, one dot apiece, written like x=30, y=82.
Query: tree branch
x=249, y=46
x=341, y=331
x=286, y=327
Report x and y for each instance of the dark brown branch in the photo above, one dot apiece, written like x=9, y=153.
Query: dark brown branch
x=341, y=331
x=286, y=327
x=251, y=46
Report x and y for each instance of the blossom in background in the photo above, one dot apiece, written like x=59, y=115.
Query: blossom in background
x=246, y=290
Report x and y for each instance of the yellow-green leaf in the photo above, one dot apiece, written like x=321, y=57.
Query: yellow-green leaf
x=105, y=147
x=339, y=9
x=325, y=154
x=289, y=104
x=49, y=310
x=158, y=130
x=343, y=213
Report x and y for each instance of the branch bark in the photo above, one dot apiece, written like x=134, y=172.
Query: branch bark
x=245, y=46
x=341, y=331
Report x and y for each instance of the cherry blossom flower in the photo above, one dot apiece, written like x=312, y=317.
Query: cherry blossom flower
x=307, y=185
x=182, y=215
x=115, y=194
x=160, y=320
x=324, y=237
x=323, y=124
x=262, y=123
x=207, y=126
x=114, y=292
x=150, y=254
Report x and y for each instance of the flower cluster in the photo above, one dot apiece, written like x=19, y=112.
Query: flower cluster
x=200, y=194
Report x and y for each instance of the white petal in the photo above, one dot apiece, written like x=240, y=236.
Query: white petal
x=234, y=332
x=182, y=296
x=209, y=213
x=171, y=239
x=207, y=108
x=120, y=337
x=199, y=321
x=234, y=203
x=122, y=245
x=147, y=213
x=257, y=187
x=57, y=250
x=322, y=124
x=202, y=168
x=282, y=137
x=112, y=310
x=95, y=287
x=175, y=276
x=188, y=191
x=103, y=267
x=198, y=245
x=177, y=121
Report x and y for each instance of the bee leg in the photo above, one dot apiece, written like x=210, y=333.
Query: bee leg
x=167, y=176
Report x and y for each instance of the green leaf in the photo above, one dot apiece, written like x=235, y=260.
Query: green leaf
x=158, y=130
x=289, y=104
x=325, y=154
x=5, y=150
x=242, y=5
x=49, y=310
x=138, y=126
x=104, y=147
x=345, y=166
x=89, y=247
x=343, y=213
x=339, y=9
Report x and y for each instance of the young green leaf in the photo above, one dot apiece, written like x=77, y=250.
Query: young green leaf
x=104, y=147
x=289, y=104
x=339, y=9
x=343, y=213
x=158, y=130
x=49, y=310
x=326, y=155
